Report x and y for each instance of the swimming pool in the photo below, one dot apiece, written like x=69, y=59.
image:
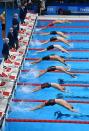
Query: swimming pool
x=57, y=118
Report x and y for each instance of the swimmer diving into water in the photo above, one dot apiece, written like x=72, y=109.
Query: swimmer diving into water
x=59, y=47
x=51, y=57
x=52, y=102
x=57, y=68
x=48, y=85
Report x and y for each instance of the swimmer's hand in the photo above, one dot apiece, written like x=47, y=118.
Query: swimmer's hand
x=74, y=110
x=74, y=75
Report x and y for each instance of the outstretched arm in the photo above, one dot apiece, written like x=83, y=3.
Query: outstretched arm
x=62, y=34
x=61, y=48
x=38, y=107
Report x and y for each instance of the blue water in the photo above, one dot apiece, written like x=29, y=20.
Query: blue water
x=21, y=110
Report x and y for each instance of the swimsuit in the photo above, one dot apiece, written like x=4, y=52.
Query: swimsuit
x=53, y=39
x=50, y=102
x=46, y=58
x=50, y=47
x=45, y=85
x=53, y=33
x=51, y=68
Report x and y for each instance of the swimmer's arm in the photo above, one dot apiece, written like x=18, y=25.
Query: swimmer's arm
x=38, y=107
x=62, y=34
x=45, y=42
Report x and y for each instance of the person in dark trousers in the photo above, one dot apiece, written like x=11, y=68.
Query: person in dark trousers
x=11, y=38
x=23, y=11
x=5, y=50
x=22, y=14
x=15, y=25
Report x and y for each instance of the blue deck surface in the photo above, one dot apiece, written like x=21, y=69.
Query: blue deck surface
x=21, y=110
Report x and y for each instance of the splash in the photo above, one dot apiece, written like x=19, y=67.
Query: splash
x=32, y=74
x=27, y=64
x=26, y=89
x=69, y=67
x=71, y=45
x=38, y=29
x=36, y=43
x=68, y=91
x=21, y=107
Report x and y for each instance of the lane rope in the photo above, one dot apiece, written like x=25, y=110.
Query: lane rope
x=29, y=100
x=47, y=121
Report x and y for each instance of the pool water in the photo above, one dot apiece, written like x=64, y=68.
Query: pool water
x=58, y=117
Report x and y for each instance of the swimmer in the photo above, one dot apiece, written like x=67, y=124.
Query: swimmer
x=48, y=85
x=55, y=33
x=51, y=57
x=60, y=21
x=56, y=22
x=52, y=102
x=57, y=39
x=54, y=46
x=57, y=68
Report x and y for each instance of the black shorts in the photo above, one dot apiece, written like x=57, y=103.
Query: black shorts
x=46, y=58
x=50, y=47
x=53, y=33
x=3, y=27
x=53, y=39
x=45, y=85
x=51, y=68
x=50, y=102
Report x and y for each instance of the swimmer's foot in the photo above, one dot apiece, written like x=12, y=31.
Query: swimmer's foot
x=74, y=75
